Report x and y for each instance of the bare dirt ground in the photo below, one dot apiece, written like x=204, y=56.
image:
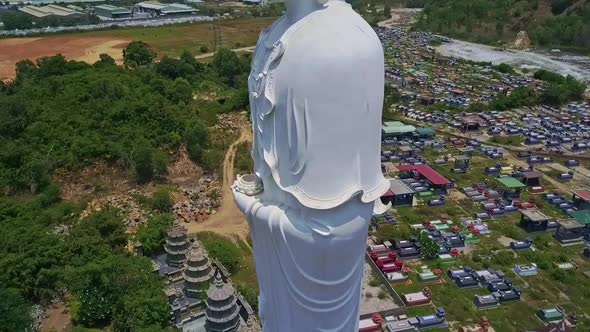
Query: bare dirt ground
x=229, y=219
x=249, y=49
x=57, y=319
x=73, y=47
x=373, y=303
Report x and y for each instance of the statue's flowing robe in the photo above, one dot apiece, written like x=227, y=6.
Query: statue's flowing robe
x=316, y=103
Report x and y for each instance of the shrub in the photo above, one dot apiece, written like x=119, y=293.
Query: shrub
x=153, y=235
x=222, y=249
x=161, y=200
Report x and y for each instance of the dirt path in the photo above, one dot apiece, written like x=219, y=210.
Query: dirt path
x=249, y=49
x=58, y=319
x=391, y=21
x=229, y=219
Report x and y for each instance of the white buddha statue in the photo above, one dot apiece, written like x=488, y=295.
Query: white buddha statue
x=316, y=100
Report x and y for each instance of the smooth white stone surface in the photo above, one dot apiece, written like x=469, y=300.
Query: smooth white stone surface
x=316, y=94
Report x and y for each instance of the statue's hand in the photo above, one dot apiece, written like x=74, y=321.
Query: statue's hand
x=243, y=201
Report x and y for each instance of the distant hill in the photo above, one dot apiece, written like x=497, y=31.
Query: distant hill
x=550, y=23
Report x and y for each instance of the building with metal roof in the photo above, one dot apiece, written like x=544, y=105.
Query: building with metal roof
x=112, y=12
x=399, y=194
x=50, y=10
x=397, y=129
x=581, y=199
x=49, y=2
x=427, y=172
x=158, y=8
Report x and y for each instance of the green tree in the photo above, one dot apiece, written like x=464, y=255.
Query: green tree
x=144, y=309
x=138, y=53
x=174, y=68
x=15, y=312
x=16, y=20
x=152, y=236
x=105, y=60
x=160, y=162
x=197, y=140
x=387, y=11
x=228, y=65
x=161, y=200
x=180, y=91
x=144, y=162
x=430, y=248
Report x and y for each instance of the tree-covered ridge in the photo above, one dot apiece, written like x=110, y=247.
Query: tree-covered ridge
x=556, y=23
x=46, y=251
x=66, y=114
x=60, y=114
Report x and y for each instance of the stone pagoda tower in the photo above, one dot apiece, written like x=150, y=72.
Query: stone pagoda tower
x=177, y=245
x=223, y=314
x=198, y=271
x=250, y=326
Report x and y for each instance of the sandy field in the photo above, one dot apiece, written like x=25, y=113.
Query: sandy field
x=72, y=47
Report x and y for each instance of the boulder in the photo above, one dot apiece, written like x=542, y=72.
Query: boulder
x=521, y=41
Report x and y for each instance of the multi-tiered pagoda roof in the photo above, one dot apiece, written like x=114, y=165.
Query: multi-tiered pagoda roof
x=198, y=271
x=177, y=245
x=223, y=312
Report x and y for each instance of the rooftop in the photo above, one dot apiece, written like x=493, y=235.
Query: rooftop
x=398, y=187
x=48, y=11
x=510, y=182
x=534, y=214
x=431, y=175
x=583, y=194
x=531, y=175
x=570, y=224
x=113, y=9
x=396, y=127
x=583, y=216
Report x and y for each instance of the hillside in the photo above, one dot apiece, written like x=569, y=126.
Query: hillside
x=550, y=23
x=91, y=161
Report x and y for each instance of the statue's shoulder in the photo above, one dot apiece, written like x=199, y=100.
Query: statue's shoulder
x=337, y=28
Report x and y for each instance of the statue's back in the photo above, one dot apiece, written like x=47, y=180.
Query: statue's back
x=318, y=113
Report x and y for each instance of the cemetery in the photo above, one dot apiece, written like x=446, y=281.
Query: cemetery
x=509, y=182
x=467, y=214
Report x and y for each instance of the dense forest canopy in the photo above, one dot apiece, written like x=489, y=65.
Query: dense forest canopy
x=60, y=114
x=557, y=23
x=66, y=114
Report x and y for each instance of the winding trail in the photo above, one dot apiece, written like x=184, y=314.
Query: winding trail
x=229, y=220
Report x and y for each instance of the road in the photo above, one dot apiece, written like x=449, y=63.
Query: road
x=249, y=49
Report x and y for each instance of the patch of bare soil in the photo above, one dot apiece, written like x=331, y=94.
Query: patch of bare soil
x=56, y=318
x=77, y=47
x=505, y=241
x=95, y=180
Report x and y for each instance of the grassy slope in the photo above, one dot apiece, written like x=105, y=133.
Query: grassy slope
x=173, y=39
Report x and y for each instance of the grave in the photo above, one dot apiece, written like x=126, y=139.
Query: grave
x=418, y=298
x=485, y=301
x=525, y=270
x=533, y=221
x=548, y=315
